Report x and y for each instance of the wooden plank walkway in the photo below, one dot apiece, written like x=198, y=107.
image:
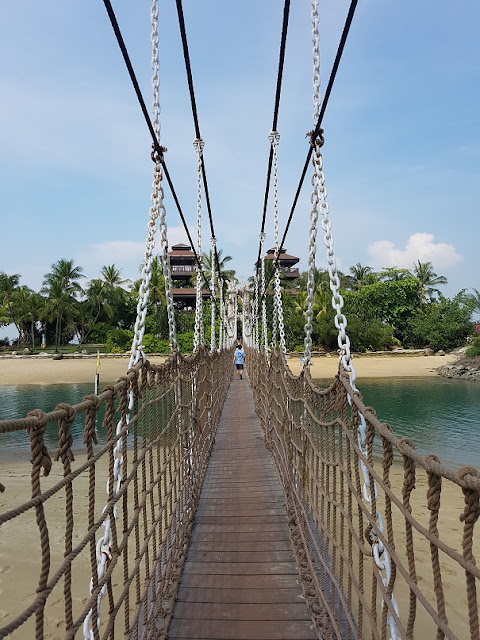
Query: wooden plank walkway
x=240, y=579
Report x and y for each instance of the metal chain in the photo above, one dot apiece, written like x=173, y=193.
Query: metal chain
x=274, y=138
x=255, y=314
x=221, y=342
x=213, y=278
x=380, y=554
x=314, y=198
x=198, y=336
x=264, y=302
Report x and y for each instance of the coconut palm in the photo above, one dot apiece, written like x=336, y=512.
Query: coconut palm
x=61, y=286
x=8, y=285
x=225, y=274
x=60, y=306
x=67, y=274
x=427, y=281
x=113, y=281
x=362, y=275
x=393, y=274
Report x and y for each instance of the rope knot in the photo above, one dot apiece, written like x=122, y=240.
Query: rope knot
x=40, y=456
x=472, y=497
x=65, y=439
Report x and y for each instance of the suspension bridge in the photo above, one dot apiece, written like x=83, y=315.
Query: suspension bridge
x=263, y=508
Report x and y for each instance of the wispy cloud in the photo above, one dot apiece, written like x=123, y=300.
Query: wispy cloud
x=419, y=246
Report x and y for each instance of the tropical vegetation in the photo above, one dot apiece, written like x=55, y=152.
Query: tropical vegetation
x=385, y=309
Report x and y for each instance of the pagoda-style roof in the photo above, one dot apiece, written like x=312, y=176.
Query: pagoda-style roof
x=283, y=256
x=181, y=251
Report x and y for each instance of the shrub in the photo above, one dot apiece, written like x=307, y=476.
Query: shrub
x=473, y=351
x=119, y=339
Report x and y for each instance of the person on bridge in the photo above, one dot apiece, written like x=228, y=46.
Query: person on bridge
x=238, y=360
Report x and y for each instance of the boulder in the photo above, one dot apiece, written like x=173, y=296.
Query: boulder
x=58, y=356
x=27, y=351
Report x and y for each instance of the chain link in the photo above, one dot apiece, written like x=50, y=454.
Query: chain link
x=213, y=278
x=198, y=336
x=274, y=138
x=264, y=302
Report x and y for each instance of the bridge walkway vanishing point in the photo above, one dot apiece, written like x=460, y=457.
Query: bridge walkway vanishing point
x=240, y=579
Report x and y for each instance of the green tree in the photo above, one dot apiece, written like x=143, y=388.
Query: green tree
x=393, y=274
x=61, y=286
x=427, y=281
x=393, y=302
x=8, y=285
x=444, y=324
x=362, y=275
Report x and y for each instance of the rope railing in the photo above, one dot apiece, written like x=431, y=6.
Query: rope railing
x=313, y=436
x=165, y=446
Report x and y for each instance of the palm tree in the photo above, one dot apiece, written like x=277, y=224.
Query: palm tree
x=32, y=312
x=393, y=274
x=226, y=274
x=427, y=280
x=113, y=281
x=67, y=274
x=362, y=275
x=8, y=285
x=60, y=306
x=61, y=286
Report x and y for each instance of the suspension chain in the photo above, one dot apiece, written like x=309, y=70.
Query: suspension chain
x=213, y=278
x=264, y=302
x=274, y=138
x=198, y=337
x=319, y=197
x=255, y=313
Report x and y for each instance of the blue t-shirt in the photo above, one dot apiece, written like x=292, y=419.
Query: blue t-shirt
x=239, y=356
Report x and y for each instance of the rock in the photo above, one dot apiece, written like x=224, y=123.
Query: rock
x=58, y=356
x=14, y=353
x=440, y=352
x=428, y=352
x=27, y=351
x=84, y=352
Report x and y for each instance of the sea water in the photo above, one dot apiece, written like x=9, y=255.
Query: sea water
x=441, y=416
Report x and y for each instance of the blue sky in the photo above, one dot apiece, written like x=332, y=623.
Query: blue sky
x=402, y=130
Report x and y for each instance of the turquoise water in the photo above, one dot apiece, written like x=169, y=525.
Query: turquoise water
x=17, y=400
x=441, y=416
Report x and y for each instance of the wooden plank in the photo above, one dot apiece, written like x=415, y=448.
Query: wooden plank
x=247, y=596
x=208, y=534
x=240, y=579
x=195, y=555
x=241, y=630
x=240, y=568
x=241, y=611
x=252, y=546
x=275, y=581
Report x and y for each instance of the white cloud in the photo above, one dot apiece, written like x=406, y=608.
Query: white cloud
x=420, y=246
x=127, y=254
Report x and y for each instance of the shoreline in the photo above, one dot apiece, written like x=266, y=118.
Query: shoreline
x=42, y=370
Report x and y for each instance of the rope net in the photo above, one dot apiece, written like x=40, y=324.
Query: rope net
x=165, y=443
x=313, y=436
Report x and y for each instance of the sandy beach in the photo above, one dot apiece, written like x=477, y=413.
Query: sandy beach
x=43, y=370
